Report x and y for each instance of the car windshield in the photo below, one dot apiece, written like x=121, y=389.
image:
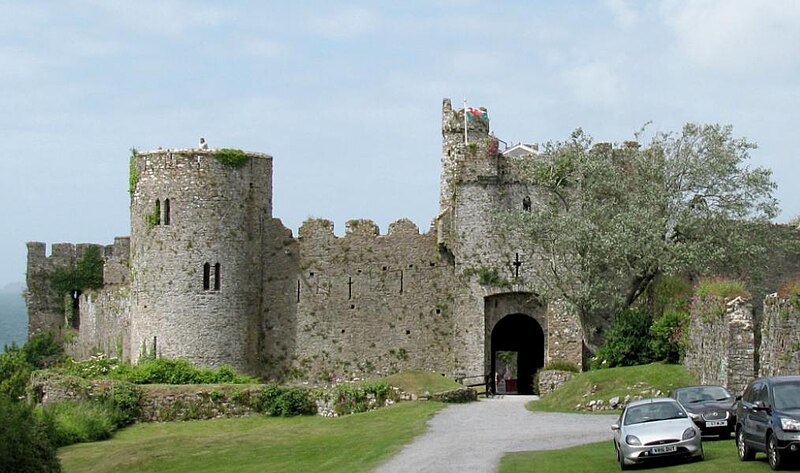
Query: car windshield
x=703, y=394
x=787, y=395
x=653, y=411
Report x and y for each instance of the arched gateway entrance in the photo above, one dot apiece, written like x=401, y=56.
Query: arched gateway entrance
x=515, y=342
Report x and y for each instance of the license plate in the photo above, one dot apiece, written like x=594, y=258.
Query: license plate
x=716, y=423
x=664, y=449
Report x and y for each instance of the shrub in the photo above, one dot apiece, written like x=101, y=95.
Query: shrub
x=15, y=372
x=711, y=294
x=43, y=350
x=627, y=342
x=353, y=398
x=123, y=399
x=668, y=336
x=17, y=363
x=97, y=366
x=171, y=371
x=81, y=421
x=25, y=442
x=285, y=401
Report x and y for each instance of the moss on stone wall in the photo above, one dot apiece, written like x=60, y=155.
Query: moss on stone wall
x=86, y=273
x=133, y=177
x=234, y=158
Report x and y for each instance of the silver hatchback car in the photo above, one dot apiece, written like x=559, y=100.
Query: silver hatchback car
x=653, y=429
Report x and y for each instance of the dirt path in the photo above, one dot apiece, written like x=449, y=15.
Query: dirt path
x=472, y=437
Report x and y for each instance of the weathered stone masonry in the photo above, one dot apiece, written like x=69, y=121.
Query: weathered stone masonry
x=208, y=274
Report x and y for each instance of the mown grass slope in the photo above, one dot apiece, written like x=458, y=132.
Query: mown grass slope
x=355, y=443
x=421, y=381
x=605, y=384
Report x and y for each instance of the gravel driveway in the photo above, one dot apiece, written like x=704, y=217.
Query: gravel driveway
x=472, y=437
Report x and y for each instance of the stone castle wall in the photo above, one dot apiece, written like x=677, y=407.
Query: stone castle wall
x=780, y=339
x=721, y=349
x=47, y=309
x=480, y=185
x=371, y=303
x=196, y=261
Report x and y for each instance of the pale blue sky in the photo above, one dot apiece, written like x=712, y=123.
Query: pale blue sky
x=347, y=95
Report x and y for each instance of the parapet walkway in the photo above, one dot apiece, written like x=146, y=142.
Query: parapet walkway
x=473, y=437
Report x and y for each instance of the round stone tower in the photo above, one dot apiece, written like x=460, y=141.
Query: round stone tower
x=197, y=218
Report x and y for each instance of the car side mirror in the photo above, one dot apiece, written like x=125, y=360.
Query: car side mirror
x=760, y=406
x=614, y=427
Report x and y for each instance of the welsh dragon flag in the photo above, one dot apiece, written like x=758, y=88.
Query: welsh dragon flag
x=476, y=114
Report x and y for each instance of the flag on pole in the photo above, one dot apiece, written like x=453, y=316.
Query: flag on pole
x=476, y=114
x=465, y=122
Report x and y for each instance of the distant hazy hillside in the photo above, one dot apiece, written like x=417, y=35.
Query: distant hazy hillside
x=13, y=316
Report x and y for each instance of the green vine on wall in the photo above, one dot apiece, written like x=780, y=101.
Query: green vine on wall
x=487, y=277
x=153, y=218
x=790, y=292
x=133, y=175
x=234, y=158
x=86, y=273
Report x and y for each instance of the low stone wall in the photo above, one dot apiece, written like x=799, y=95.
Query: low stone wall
x=721, y=348
x=165, y=403
x=550, y=380
x=460, y=395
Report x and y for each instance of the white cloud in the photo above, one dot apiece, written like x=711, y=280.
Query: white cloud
x=736, y=35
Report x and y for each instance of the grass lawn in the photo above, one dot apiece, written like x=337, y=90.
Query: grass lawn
x=607, y=383
x=600, y=457
x=421, y=381
x=355, y=443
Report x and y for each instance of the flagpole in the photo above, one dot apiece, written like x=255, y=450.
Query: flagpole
x=465, y=122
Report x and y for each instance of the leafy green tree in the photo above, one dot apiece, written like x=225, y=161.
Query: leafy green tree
x=628, y=342
x=611, y=219
x=668, y=336
x=26, y=444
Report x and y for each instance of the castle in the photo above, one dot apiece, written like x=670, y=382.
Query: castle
x=210, y=275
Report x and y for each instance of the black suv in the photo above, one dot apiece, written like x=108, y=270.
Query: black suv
x=768, y=419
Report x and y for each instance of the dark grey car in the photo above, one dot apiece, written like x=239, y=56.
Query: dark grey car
x=768, y=419
x=711, y=407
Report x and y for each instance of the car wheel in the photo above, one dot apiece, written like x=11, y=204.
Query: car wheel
x=700, y=456
x=621, y=460
x=745, y=453
x=773, y=454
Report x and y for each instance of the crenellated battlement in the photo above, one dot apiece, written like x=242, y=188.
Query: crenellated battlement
x=320, y=228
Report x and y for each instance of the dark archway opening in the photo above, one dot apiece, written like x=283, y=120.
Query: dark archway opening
x=520, y=334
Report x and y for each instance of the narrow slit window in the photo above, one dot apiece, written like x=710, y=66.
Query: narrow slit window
x=217, y=276
x=156, y=217
x=206, y=276
x=166, y=212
